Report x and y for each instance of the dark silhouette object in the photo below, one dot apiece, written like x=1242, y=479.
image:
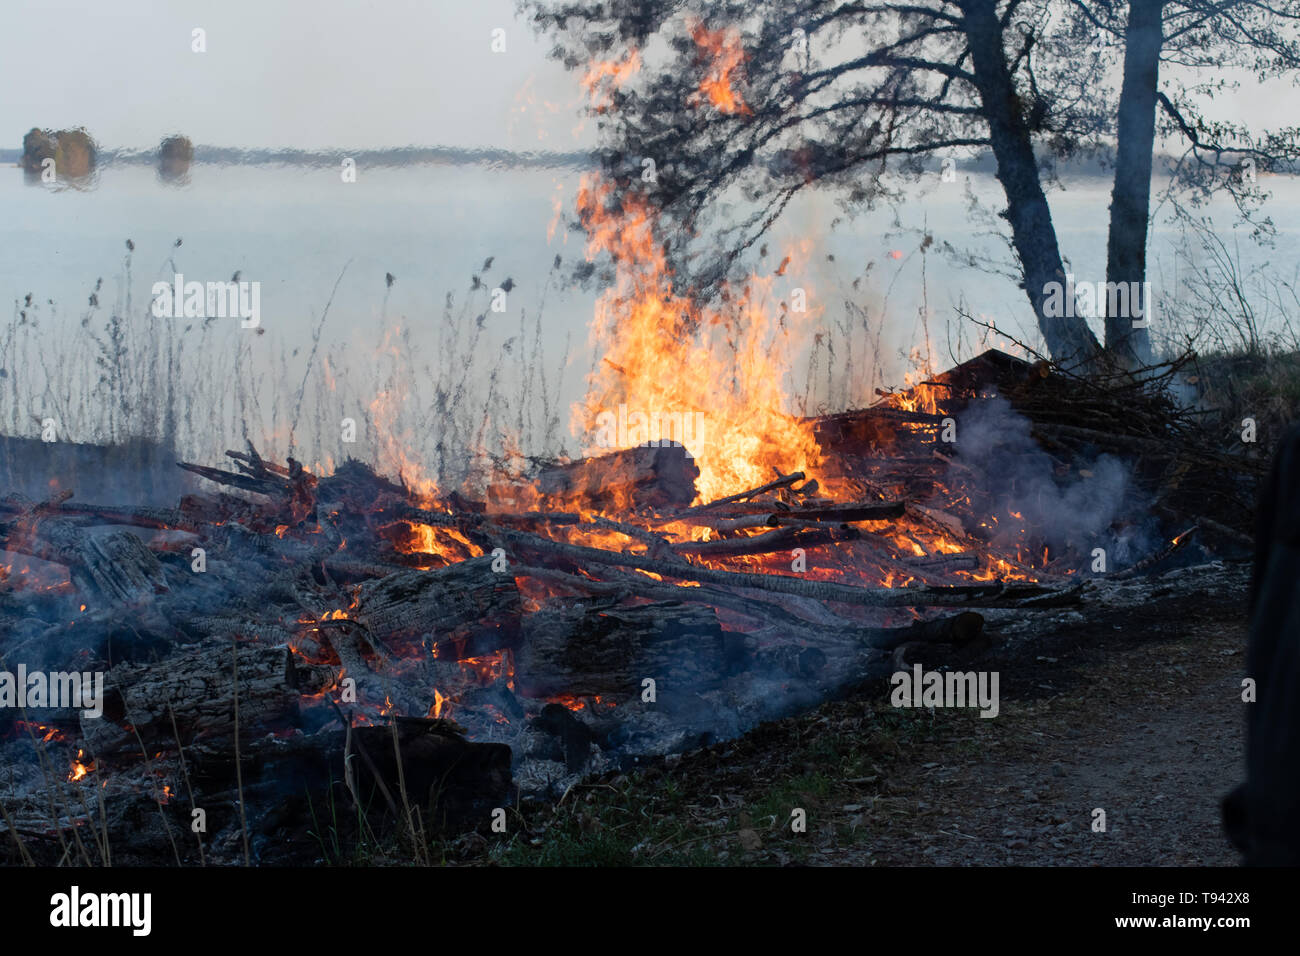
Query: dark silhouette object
x=38, y=146
x=390, y=279
x=1262, y=815
x=174, y=158
x=73, y=151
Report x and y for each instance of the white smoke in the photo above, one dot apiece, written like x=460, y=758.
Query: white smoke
x=1093, y=504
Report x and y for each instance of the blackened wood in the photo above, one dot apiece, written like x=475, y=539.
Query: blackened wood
x=861, y=511
x=943, y=563
x=775, y=540
x=263, y=486
x=289, y=783
x=198, y=686
x=983, y=595
x=462, y=600
x=620, y=586
x=610, y=651
x=957, y=629
x=115, y=567
x=445, y=776
x=755, y=515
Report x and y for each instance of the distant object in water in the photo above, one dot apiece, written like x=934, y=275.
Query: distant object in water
x=390, y=279
x=72, y=150
x=174, y=158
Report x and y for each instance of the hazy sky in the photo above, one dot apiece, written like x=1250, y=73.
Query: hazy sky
x=308, y=73
x=281, y=73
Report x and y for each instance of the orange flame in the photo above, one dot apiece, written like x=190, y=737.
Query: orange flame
x=80, y=769
x=440, y=704
x=666, y=355
x=724, y=55
x=604, y=77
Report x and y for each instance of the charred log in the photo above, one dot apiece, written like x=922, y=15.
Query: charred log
x=609, y=651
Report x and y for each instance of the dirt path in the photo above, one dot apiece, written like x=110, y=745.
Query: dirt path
x=1135, y=710
x=1153, y=739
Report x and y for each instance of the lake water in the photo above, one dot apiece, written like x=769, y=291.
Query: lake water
x=295, y=229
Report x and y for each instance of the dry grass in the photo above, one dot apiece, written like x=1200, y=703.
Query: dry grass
x=117, y=372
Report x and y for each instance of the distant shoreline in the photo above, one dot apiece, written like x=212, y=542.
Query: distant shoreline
x=403, y=156
x=1087, y=167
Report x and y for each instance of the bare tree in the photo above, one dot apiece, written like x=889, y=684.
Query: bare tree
x=1202, y=41
x=757, y=100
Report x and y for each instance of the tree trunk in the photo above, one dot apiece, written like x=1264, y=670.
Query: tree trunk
x=1068, y=338
x=1126, y=246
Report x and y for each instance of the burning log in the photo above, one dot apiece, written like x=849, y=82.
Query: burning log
x=464, y=601
x=862, y=511
x=593, y=524
x=747, y=516
x=631, y=478
x=625, y=586
x=1153, y=559
x=784, y=481
x=116, y=567
x=975, y=595
x=608, y=651
x=775, y=540
x=198, y=689
x=944, y=563
x=144, y=517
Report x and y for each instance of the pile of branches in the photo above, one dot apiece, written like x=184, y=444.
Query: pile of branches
x=227, y=625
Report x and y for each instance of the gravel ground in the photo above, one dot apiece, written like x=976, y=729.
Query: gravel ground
x=1129, y=704
x=1154, y=739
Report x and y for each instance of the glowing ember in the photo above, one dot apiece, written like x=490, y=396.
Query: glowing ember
x=80, y=769
x=441, y=705
x=38, y=730
x=446, y=543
